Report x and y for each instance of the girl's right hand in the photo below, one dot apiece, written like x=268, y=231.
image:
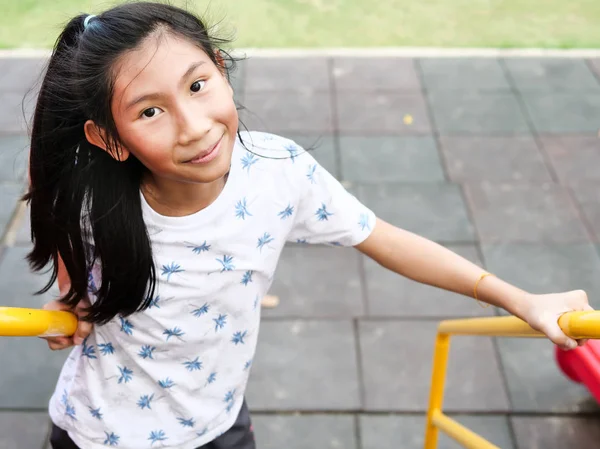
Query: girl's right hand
x=83, y=327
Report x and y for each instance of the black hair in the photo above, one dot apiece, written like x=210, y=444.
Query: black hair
x=79, y=193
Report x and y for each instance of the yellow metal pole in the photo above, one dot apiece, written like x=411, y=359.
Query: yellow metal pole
x=20, y=322
x=436, y=394
x=460, y=433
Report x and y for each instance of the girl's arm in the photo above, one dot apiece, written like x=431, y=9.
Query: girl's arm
x=427, y=262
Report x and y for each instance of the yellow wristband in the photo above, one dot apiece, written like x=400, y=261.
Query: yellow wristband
x=475, y=289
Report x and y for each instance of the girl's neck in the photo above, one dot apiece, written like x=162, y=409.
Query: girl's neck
x=174, y=199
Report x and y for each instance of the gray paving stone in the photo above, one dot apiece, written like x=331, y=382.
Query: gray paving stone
x=556, y=432
x=9, y=194
x=271, y=74
x=463, y=73
x=16, y=112
x=23, y=430
x=21, y=74
x=544, y=268
x=295, y=369
x=364, y=112
x=435, y=211
x=389, y=294
x=551, y=74
x=25, y=358
x=458, y=112
x=563, y=112
x=323, y=148
x=23, y=237
x=396, y=74
x=573, y=158
x=308, y=287
x=290, y=111
x=14, y=150
x=408, y=432
x=535, y=382
x=525, y=212
x=587, y=195
x=390, y=158
x=304, y=431
x=397, y=360
x=494, y=159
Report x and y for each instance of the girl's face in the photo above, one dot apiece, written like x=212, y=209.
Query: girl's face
x=174, y=111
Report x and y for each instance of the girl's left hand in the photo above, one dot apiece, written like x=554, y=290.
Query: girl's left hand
x=542, y=312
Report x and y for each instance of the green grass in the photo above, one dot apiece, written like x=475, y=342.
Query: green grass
x=347, y=23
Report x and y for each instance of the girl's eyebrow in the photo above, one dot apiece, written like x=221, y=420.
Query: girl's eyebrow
x=156, y=95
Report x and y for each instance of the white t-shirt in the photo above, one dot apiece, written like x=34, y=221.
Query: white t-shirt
x=174, y=375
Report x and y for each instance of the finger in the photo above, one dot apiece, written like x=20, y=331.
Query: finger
x=558, y=337
x=57, y=343
x=582, y=342
x=83, y=330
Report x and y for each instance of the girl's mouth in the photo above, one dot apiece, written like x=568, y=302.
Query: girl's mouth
x=207, y=156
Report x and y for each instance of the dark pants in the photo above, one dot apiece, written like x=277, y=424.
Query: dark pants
x=240, y=436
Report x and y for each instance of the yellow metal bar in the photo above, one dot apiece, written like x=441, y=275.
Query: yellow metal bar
x=21, y=322
x=575, y=324
x=460, y=433
x=436, y=394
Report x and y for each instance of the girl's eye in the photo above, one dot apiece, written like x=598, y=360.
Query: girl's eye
x=150, y=112
x=197, y=85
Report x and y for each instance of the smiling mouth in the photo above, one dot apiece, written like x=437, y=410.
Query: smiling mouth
x=208, y=155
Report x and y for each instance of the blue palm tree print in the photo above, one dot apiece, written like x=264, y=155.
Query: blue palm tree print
x=175, y=332
x=198, y=248
x=70, y=411
x=186, y=422
x=92, y=288
x=247, y=365
x=156, y=436
x=64, y=400
x=166, y=383
x=145, y=401
x=256, y=301
x=126, y=374
x=227, y=263
x=229, y=396
x=202, y=432
x=302, y=241
x=211, y=378
x=229, y=407
x=220, y=321
x=111, y=439
x=193, y=365
x=241, y=209
x=287, y=212
x=364, y=222
x=171, y=269
x=322, y=213
x=106, y=348
x=88, y=350
x=311, y=173
x=238, y=338
x=201, y=310
x=95, y=412
x=154, y=302
x=247, y=278
x=146, y=352
x=264, y=240
x=126, y=326
x=293, y=150
x=248, y=160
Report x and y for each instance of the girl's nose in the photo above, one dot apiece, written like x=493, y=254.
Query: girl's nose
x=193, y=126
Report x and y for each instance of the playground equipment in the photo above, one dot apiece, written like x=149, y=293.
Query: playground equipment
x=575, y=364
x=580, y=365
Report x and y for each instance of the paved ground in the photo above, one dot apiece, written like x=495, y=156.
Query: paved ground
x=497, y=159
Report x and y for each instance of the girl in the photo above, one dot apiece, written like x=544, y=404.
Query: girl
x=170, y=222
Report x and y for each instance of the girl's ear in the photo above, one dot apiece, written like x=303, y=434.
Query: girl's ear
x=97, y=136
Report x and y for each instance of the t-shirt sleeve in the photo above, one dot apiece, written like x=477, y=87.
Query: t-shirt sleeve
x=326, y=213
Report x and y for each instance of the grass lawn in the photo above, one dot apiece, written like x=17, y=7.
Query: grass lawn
x=348, y=23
